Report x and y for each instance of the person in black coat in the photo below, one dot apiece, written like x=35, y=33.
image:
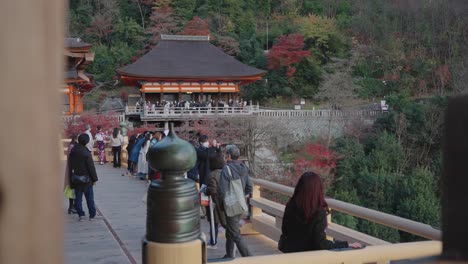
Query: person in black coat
x=81, y=164
x=305, y=219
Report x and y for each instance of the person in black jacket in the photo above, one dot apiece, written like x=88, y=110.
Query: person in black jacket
x=305, y=219
x=81, y=164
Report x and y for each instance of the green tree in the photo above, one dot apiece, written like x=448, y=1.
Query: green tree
x=183, y=9
x=107, y=60
x=419, y=199
x=127, y=30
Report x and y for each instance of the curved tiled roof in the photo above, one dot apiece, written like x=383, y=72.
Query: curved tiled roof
x=188, y=57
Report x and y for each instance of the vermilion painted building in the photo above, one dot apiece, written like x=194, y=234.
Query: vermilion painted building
x=77, y=82
x=188, y=68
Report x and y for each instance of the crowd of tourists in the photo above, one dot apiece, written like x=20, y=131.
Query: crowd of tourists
x=167, y=107
x=221, y=176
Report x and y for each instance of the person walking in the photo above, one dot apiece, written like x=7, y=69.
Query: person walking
x=234, y=170
x=66, y=185
x=90, y=144
x=135, y=153
x=203, y=166
x=130, y=146
x=142, y=162
x=117, y=142
x=101, y=144
x=305, y=219
x=82, y=177
x=216, y=164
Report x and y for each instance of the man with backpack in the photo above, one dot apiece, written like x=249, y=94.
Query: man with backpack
x=234, y=185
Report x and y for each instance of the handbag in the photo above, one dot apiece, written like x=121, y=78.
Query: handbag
x=204, y=199
x=80, y=179
x=234, y=198
x=69, y=192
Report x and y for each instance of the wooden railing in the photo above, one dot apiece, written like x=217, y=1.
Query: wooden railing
x=108, y=152
x=146, y=112
x=188, y=112
x=374, y=254
x=319, y=113
x=68, y=118
x=267, y=217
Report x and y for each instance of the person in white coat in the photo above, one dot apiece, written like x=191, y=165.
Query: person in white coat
x=142, y=162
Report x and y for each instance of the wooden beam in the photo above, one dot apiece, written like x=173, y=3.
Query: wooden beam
x=31, y=176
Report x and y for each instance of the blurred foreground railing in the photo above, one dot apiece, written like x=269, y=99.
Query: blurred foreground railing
x=374, y=254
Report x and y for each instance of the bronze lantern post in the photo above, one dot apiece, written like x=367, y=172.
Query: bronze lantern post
x=173, y=216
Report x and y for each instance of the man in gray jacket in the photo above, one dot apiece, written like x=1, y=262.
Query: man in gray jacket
x=239, y=171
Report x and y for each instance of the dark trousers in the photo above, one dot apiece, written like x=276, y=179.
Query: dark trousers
x=89, y=195
x=130, y=166
x=233, y=236
x=117, y=152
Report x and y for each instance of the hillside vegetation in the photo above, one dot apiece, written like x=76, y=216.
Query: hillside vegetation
x=412, y=53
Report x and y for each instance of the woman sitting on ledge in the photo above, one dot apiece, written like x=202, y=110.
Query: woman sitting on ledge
x=305, y=219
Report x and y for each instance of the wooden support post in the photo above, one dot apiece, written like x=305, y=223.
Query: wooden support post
x=248, y=228
x=31, y=178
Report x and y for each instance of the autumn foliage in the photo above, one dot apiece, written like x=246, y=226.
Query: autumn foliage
x=318, y=158
x=76, y=126
x=288, y=51
x=196, y=27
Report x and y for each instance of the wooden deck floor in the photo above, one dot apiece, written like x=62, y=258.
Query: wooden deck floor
x=116, y=238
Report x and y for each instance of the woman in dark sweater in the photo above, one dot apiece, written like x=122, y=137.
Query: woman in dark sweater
x=305, y=219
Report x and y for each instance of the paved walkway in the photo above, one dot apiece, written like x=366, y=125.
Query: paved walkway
x=116, y=238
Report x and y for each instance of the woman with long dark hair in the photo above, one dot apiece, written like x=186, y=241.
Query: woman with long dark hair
x=130, y=163
x=117, y=142
x=305, y=219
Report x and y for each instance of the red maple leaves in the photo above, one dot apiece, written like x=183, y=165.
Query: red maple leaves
x=288, y=51
x=317, y=158
x=196, y=27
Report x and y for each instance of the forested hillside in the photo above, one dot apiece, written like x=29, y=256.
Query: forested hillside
x=412, y=53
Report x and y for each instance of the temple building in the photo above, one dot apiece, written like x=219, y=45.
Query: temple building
x=76, y=81
x=188, y=68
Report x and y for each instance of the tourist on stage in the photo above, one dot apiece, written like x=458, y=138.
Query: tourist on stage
x=135, y=153
x=67, y=186
x=130, y=146
x=305, y=219
x=203, y=166
x=216, y=164
x=82, y=177
x=90, y=144
x=117, y=142
x=234, y=170
x=142, y=162
x=101, y=145
x=152, y=174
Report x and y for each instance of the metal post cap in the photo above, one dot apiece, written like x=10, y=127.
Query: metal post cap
x=172, y=154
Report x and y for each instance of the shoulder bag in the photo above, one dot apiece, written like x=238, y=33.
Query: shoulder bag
x=234, y=198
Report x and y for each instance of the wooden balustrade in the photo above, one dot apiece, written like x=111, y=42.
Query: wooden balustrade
x=375, y=254
x=108, y=152
x=399, y=223
x=248, y=110
x=319, y=113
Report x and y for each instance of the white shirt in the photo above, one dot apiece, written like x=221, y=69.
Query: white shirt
x=118, y=141
x=90, y=144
